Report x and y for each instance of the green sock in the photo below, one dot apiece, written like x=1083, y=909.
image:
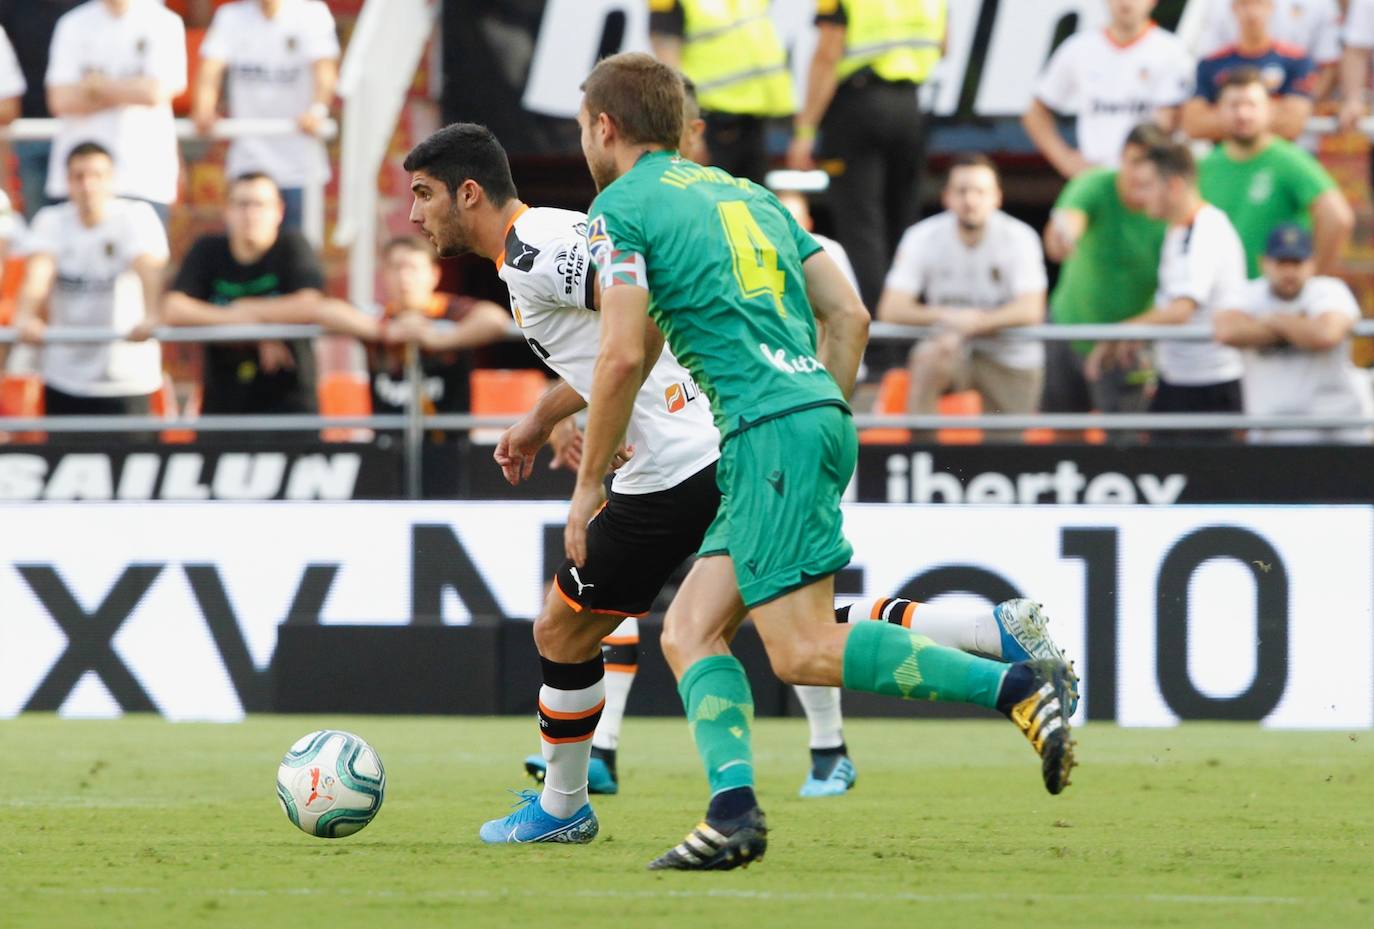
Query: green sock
x=720, y=711
x=885, y=659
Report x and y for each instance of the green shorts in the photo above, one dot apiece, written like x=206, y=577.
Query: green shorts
x=779, y=519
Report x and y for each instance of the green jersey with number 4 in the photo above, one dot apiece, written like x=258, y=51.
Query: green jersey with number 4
x=722, y=261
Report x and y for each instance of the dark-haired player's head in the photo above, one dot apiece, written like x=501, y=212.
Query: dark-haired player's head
x=457, y=175
x=410, y=273
x=90, y=179
x=1243, y=106
x=1170, y=182
x=1129, y=179
x=973, y=190
x=692, y=146
x=631, y=103
x=253, y=212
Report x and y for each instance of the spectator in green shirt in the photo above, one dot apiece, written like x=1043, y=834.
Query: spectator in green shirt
x=1109, y=248
x=1261, y=181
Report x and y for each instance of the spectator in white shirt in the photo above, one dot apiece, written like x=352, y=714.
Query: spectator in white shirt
x=12, y=83
x=1295, y=329
x=1201, y=272
x=96, y=262
x=971, y=271
x=114, y=68
x=1113, y=79
x=281, y=60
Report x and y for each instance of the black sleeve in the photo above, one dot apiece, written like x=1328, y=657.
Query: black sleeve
x=193, y=277
x=297, y=264
x=831, y=11
x=666, y=18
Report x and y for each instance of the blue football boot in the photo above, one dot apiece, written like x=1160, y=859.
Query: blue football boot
x=834, y=784
x=1021, y=624
x=529, y=823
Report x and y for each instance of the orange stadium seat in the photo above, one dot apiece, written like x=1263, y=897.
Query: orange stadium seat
x=10, y=279
x=504, y=392
x=962, y=403
x=344, y=394
x=892, y=392
x=22, y=395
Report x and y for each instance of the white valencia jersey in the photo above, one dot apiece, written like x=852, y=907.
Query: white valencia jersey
x=1203, y=262
x=1112, y=88
x=547, y=268
x=1284, y=379
x=933, y=263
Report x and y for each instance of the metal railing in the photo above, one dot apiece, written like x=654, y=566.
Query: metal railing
x=227, y=129
x=415, y=422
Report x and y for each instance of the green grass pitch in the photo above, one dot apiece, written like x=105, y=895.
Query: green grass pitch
x=142, y=823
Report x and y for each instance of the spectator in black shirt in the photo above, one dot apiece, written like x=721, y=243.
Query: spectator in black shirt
x=410, y=278
x=29, y=25
x=256, y=272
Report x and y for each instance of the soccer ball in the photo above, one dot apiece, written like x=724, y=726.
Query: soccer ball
x=330, y=783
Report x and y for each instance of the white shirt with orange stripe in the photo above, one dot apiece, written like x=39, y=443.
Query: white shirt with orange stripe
x=547, y=268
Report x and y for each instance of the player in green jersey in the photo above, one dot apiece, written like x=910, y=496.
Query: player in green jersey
x=771, y=331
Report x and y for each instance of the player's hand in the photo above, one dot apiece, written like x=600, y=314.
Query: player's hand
x=801, y=154
x=142, y=331
x=622, y=457
x=966, y=322
x=204, y=121
x=309, y=121
x=566, y=440
x=408, y=327
x=1351, y=112
x=586, y=502
x=274, y=357
x=516, y=449
x=1098, y=360
x=32, y=330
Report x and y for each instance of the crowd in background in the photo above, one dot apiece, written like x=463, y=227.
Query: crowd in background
x=1191, y=196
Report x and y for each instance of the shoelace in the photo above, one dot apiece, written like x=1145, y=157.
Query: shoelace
x=524, y=805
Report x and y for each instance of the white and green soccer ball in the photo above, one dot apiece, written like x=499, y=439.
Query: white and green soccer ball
x=330, y=783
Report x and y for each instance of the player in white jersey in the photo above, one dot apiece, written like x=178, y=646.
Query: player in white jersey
x=662, y=499
x=1201, y=272
x=1112, y=79
x=971, y=272
x=1294, y=328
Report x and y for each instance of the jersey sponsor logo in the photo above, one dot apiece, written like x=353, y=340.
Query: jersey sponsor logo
x=1121, y=107
x=677, y=396
x=571, y=265
x=797, y=364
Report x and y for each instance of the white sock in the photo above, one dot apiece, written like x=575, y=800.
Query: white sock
x=963, y=626
x=822, y=706
x=567, y=717
x=620, y=650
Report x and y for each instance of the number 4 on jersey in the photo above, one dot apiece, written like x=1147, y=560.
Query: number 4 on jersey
x=755, y=257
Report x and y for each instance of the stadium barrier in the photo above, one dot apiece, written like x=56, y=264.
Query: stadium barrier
x=1172, y=613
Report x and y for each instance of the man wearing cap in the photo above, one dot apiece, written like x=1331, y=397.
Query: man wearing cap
x=1295, y=329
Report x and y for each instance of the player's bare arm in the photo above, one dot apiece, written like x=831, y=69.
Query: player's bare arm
x=516, y=449
x=620, y=369
x=150, y=270
x=1062, y=232
x=1319, y=333
x=1239, y=329
x=842, y=320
